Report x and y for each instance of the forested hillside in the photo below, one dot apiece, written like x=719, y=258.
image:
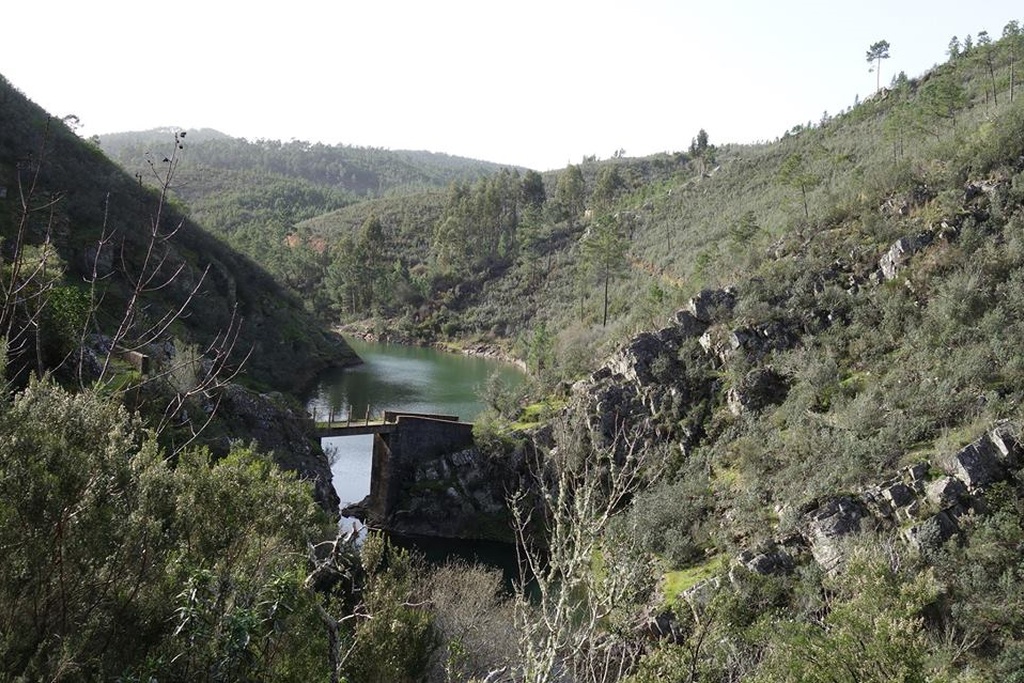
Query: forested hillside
x=252, y=194
x=837, y=406
x=773, y=433
x=850, y=343
x=123, y=261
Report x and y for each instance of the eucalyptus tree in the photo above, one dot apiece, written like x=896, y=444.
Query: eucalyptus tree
x=702, y=152
x=607, y=187
x=986, y=55
x=953, y=49
x=795, y=173
x=533, y=191
x=1012, y=38
x=940, y=99
x=570, y=194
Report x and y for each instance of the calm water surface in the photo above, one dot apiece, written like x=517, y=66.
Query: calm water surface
x=396, y=377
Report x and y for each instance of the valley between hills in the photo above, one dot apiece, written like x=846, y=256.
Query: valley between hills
x=771, y=428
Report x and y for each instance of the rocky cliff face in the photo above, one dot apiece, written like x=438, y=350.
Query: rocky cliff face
x=431, y=480
x=459, y=494
x=664, y=384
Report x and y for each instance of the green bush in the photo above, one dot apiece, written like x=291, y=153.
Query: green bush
x=118, y=562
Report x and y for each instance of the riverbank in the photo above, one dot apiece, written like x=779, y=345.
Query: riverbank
x=367, y=330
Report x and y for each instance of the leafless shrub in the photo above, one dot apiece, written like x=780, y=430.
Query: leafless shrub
x=585, y=581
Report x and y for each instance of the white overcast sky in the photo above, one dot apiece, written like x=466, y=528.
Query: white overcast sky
x=537, y=83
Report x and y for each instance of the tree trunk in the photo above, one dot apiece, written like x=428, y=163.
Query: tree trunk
x=604, y=320
x=1012, y=63
x=992, y=73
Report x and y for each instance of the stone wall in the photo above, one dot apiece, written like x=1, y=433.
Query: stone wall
x=429, y=480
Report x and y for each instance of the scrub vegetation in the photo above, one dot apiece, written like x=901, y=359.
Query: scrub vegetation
x=867, y=272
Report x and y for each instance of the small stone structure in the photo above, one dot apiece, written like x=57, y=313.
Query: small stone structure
x=424, y=479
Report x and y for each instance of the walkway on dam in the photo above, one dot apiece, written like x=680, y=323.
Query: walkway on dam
x=367, y=425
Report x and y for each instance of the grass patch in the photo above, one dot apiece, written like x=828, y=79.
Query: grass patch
x=535, y=413
x=675, y=583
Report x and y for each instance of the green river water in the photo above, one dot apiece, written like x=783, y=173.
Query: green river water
x=395, y=377
x=415, y=379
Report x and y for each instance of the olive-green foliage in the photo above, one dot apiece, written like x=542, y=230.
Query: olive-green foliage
x=984, y=601
x=873, y=629
x=717, y=634
x=393, y=637
x=673, y=516
x=473, y=619
x=120, y=562
x=478, y=228
x=66, y=315
x=352, y=171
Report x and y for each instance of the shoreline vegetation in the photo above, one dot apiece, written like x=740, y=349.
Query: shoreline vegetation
x=367, y=330
x=813, y=471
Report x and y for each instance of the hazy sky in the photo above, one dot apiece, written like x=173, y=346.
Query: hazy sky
x=538, y=83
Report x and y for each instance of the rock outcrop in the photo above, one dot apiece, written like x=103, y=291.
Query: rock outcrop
x=278, y=428
x=898, y=255
x=758, y=389
x=460, y=494
x=827, y=526
x=924, y=507
x=713, y=305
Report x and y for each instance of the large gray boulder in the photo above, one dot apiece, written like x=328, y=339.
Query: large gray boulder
x=755, y=342
x=770, y=560
x=712, y=305
x=635, y=362
x=946, y=492
x=899, y=254
x=688, y=325
x=829, y=525
x=984, y=461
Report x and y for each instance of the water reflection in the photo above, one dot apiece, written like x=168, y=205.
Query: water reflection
x=396, y=377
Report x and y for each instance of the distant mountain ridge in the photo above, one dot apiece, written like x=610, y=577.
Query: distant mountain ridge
x=355, y=171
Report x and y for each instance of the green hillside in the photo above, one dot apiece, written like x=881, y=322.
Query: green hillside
x=354, y=171
x=862, y=335
x=823, y=202
x=774, y=430
x=252, y=194
x=122, y=257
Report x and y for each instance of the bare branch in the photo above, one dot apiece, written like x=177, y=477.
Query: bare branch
x=581, y=579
